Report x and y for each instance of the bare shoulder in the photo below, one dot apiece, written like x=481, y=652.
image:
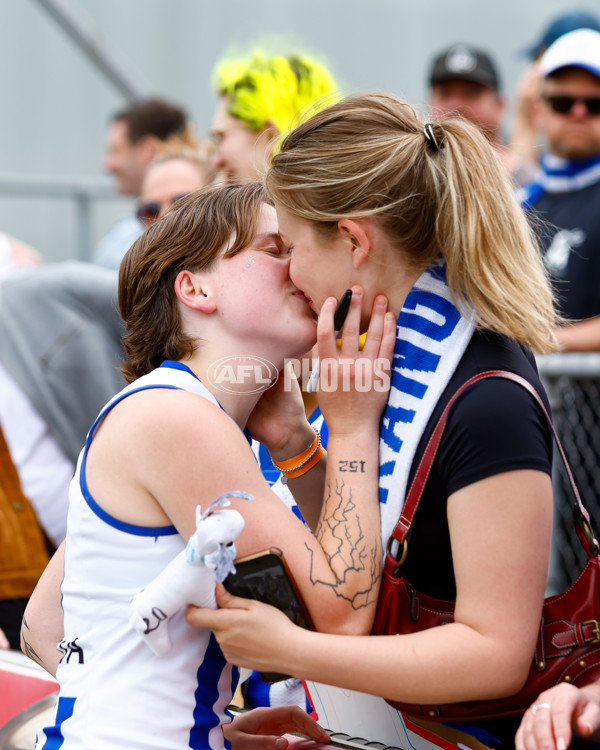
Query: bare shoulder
x=173, y=426
x=160, y=452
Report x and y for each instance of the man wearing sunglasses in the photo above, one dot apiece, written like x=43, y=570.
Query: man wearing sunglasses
x=566, y=192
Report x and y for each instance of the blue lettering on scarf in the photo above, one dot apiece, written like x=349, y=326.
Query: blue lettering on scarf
x=438, y=304
x=411, y=357
x=410, y=386
x=385, y=470
x=392, y=415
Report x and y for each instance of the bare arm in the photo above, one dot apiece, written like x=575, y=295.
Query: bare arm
x=499, y=527
x=580, y=337
x=43, y=624
x=280, y=415
x=189, y=451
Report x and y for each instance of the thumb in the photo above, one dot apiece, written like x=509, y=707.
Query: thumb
x=226, y=600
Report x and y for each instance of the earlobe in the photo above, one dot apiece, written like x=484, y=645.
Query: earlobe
x=191, y=292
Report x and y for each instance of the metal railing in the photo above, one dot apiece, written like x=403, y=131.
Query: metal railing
x=83, y=191
x=572, y=381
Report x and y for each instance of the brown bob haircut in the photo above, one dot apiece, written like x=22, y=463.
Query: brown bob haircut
x=212, y=223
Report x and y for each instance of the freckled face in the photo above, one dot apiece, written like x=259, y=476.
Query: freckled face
x=258, y=299
x=318, y=267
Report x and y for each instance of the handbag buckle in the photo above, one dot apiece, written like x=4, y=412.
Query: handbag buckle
x=595, y=630
x=587, y=531
x=402, y=551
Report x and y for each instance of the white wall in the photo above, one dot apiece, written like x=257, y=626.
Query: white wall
x=56, y=104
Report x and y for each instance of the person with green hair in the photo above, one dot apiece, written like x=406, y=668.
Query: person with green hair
x=260, y=98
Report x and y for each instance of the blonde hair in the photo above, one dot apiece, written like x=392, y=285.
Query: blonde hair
x=273, y=88
x=367, y=156
x=199, y=155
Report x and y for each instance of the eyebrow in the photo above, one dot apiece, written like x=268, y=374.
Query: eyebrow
x=268, y=237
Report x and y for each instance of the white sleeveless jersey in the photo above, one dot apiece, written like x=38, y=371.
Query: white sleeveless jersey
x=114, y=691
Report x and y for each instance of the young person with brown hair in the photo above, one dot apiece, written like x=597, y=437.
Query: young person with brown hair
x=366, y=193
x=208, y=282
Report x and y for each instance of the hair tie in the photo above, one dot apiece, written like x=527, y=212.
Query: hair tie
x=430, y=138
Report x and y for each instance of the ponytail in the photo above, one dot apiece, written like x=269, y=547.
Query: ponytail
x=436, y=191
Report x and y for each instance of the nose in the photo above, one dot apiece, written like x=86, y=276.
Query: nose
x=579, y=109
x=108, y=165
x=217, y=160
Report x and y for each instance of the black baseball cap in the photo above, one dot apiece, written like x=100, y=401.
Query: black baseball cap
x=466, y=63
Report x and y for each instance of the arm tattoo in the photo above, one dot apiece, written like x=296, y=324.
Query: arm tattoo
x=353, y=554
x=352, y=466
x=27, y=648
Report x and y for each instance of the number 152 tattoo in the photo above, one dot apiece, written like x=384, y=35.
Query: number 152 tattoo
x=352, y=466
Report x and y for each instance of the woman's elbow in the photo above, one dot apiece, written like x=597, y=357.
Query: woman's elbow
x=511, y=675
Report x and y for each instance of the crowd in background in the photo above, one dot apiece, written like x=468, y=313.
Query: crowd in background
x=60, y=331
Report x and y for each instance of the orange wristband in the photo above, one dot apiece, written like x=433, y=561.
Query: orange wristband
x=300, y=464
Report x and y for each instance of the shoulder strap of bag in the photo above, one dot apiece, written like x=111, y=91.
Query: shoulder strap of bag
x=415, y=492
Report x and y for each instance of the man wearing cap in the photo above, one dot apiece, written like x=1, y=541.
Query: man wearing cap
x=464, y=81
x=523, y=134
x=566, y=192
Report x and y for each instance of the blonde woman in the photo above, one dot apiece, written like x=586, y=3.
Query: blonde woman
x=367, y=193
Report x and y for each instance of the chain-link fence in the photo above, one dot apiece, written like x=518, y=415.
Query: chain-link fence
x=573, y=385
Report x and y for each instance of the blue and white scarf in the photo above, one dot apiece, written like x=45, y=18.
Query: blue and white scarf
x=557, y=175
x=431, y=339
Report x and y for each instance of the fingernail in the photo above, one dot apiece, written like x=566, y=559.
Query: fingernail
x=281, y=743
x=561, y=744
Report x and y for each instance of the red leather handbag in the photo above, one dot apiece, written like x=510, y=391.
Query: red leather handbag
x=568, y=644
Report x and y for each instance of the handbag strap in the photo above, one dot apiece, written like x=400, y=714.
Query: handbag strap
x=417, y=486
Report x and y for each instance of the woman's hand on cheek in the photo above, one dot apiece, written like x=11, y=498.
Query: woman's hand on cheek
x=354, y=383
x=251, y=634
x=261, y=728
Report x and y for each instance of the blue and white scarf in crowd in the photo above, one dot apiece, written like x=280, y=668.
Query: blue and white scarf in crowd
x=432, y=337
x=557, y=175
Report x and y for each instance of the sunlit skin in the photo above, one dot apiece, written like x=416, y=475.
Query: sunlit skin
x=359, y=252
x=279, y=320
x=241, y=153
x=125, y=160
x=576, y=134
x=167, y=181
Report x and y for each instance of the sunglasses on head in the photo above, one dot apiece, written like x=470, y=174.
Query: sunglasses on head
x=562, y=105
x=148, y=212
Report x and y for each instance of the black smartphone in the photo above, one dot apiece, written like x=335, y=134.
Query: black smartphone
x=341, y=311
x=265, y=577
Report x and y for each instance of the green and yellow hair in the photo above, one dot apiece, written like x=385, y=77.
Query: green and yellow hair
x=276, y=89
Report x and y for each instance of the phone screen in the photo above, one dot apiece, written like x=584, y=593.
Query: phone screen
x=265, y=578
